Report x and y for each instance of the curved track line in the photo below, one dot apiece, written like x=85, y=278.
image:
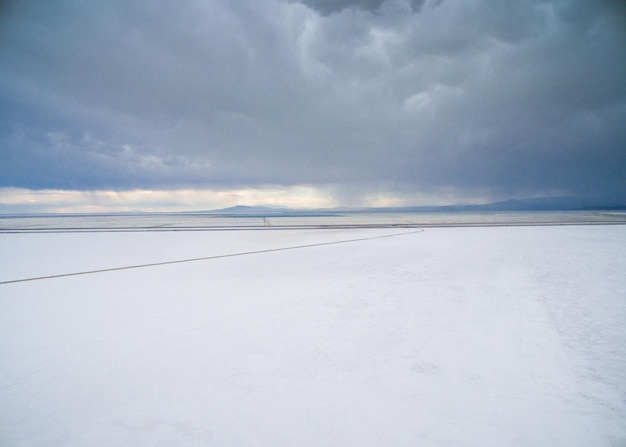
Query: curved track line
x=204, y=258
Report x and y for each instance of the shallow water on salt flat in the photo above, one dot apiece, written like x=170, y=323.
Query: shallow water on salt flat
x=209, y=221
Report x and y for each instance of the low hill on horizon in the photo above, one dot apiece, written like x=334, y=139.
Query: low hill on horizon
x=530, y=204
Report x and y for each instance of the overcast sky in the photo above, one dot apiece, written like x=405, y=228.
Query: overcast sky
x=310, y=102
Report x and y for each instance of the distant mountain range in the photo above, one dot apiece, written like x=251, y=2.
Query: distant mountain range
x=532, y=204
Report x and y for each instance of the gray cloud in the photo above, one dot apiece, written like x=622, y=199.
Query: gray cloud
x=327, y=7
x=498, y=97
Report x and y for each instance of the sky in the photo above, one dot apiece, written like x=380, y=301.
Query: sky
x=200, y=104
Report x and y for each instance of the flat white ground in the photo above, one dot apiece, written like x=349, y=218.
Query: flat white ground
x=452, y=336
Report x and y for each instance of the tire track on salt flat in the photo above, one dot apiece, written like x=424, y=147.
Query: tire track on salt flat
x=204, y=258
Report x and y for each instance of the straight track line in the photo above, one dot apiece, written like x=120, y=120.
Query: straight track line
x=204, y=258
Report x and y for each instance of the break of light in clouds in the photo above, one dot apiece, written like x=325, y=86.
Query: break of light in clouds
x=20, y=200
x=24, y=200
x=364, y=102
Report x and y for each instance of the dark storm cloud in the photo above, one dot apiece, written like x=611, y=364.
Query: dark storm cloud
x=326, y=7
x=498, y=97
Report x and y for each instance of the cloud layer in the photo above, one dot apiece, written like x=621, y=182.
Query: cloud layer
x=487, y=98
x=327, y=7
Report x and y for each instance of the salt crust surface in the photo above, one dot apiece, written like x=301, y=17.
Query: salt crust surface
x=448, y=337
